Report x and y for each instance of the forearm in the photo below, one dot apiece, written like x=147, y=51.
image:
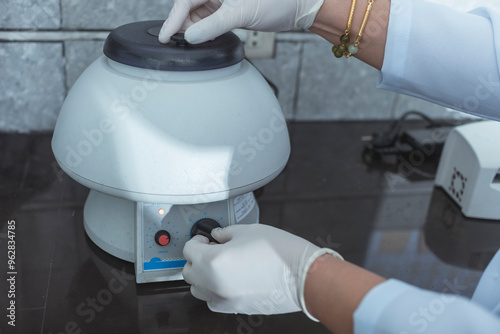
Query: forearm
x=334, y=289
x=331, y=20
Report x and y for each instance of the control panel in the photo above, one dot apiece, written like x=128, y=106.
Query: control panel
x=163, y=229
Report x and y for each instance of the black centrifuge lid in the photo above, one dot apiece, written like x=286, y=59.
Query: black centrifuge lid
x=136, y=44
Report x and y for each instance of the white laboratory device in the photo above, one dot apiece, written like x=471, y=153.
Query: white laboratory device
x=172, y=139
x=469, y=169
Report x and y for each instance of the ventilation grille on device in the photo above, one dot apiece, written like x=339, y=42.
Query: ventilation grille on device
x=457, y=185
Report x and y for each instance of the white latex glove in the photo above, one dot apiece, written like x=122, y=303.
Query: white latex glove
x=204, y=20
x=257, y=269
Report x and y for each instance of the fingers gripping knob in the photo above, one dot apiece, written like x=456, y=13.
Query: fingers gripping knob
x=204, y=227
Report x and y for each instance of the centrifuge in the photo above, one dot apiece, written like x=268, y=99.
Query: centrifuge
x=172, y=139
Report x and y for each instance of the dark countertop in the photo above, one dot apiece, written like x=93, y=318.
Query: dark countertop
x=378, y=215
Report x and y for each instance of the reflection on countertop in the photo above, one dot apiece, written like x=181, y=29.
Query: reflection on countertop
x=397, y=225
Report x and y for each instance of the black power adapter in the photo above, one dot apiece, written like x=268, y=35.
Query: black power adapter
x=429, y=141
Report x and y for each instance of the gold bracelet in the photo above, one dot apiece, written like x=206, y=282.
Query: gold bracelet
x=342, y=49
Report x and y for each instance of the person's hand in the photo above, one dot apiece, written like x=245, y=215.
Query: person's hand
x=203, y=20
x=257, y=269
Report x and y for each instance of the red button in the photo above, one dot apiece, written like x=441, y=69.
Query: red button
x=164, y=240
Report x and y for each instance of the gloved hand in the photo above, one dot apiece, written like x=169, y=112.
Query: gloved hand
x=204, y=20
x=257, y=269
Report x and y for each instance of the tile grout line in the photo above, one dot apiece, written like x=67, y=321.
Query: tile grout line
x=51, y=36
x=297, y=82
x=65, y=68
x=60, y=13
x=82, y=34
x=394, y=106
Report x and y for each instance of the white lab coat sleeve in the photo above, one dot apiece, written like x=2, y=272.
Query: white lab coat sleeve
x=394, y=307
x=439, y=54
x=488, y=290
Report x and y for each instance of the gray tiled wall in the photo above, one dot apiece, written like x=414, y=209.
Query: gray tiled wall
x=332, y=88
x=30, y=14
x=283, y=71
x=37, y=70
x=103, y=15
x=31, y=88
x=79, y=55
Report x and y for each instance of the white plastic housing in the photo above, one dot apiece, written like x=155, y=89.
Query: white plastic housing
x=469, y=169
x=171, y=137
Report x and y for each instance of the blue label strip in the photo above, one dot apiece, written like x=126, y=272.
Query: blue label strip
x=154, y=264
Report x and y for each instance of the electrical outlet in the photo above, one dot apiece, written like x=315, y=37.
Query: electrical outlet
x=257, y=44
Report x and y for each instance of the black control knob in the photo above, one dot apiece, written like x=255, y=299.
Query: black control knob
x=204, y=227
x=162, y=237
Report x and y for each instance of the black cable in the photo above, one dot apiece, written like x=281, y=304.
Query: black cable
x=388, y=142
x=389, y=138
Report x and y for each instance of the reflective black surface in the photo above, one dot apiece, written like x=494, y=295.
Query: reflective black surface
x=377, y=215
